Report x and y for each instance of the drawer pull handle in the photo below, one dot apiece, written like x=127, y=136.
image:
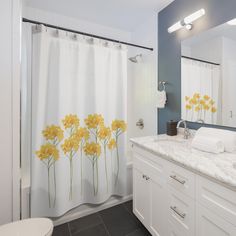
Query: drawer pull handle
x=175, y=209
x=174, y=177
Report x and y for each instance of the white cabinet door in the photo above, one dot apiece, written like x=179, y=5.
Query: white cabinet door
x=207, y=224
x=158, y=217
x=140, y=196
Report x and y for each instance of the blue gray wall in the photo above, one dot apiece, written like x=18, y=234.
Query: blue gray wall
x=169, y=47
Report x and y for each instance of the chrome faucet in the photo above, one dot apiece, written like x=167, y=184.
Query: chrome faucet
x=186, y=130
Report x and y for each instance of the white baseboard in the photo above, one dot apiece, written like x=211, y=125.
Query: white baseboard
x=91, y=209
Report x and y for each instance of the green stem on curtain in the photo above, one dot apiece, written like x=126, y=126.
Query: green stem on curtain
x=118, y=161
x=111, y=162
x=97, y=174
x=105, y=157
x=71, y=176
x=55, y=184
x=49, y=197
x=94, y=190
x=81, y=170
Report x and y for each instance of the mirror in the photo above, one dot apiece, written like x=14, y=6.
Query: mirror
x=208, y=76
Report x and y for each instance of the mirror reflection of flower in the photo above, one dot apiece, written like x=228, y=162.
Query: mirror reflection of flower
x=200, y=105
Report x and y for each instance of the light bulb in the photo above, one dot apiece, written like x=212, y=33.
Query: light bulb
x=175, y=27
x=191, y=18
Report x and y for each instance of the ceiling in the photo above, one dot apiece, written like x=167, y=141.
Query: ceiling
x=121, y=14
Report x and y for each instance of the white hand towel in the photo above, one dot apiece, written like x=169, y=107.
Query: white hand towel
x=161, y=99
x=208, y=144
x=227, y=137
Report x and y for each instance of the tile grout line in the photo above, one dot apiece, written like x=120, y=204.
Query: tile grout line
x=104, y=224
x=68, y=226
x=92, y=226
x=132, y=232
x=131, y=213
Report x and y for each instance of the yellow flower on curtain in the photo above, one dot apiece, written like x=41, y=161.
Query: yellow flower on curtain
x=70, y=147
x=187, y=98
x=213, y=110
x=193, y=101
x=206, y=97
x=212, y=102
x=118, y=125
x=202, y=102
x=206, y=107
x=53, y=132
x=49, y=154
x=112, y=144
x=196, y=96
x=71, y=121
x=93, y=121
x=48, y=150
x=92, y=149
x=81, y=134
x=70, y=144
x=188, y=107
x=197, y=109
x=104, y=133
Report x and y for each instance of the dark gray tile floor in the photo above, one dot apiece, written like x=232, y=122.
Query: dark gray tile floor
x=115, y=221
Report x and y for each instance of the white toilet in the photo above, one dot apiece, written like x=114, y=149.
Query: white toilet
x=28, y=227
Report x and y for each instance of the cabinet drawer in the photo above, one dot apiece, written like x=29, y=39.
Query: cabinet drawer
x=174, y=230
x=148, y=168
x=181, y=179
x=217, y=198
x=181, y=212
x=210, y=224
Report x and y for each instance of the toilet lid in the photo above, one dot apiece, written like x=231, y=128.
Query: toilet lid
x=28, y=227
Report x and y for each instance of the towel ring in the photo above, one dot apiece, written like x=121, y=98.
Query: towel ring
x=163, y=83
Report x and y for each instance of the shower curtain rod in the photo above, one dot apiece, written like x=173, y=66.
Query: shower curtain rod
x=207, y=62
x=83, y=33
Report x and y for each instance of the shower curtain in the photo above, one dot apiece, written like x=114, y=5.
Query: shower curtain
x=200, y=89
x=78, y=121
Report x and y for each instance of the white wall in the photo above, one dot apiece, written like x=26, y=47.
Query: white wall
x=10, y=22
x=210, y=50
x=75, y=24
x=143, y=80
x=6, y=112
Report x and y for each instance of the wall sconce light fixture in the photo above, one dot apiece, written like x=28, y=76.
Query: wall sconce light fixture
x=187, y=22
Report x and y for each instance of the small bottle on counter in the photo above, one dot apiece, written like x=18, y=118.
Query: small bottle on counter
x=171, y=129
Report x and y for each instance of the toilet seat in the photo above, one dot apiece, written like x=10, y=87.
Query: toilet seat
x=28, y=227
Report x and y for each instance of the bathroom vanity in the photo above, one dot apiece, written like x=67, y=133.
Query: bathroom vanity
x=179, y=191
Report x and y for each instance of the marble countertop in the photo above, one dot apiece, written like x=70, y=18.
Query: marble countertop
x=220, y=167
